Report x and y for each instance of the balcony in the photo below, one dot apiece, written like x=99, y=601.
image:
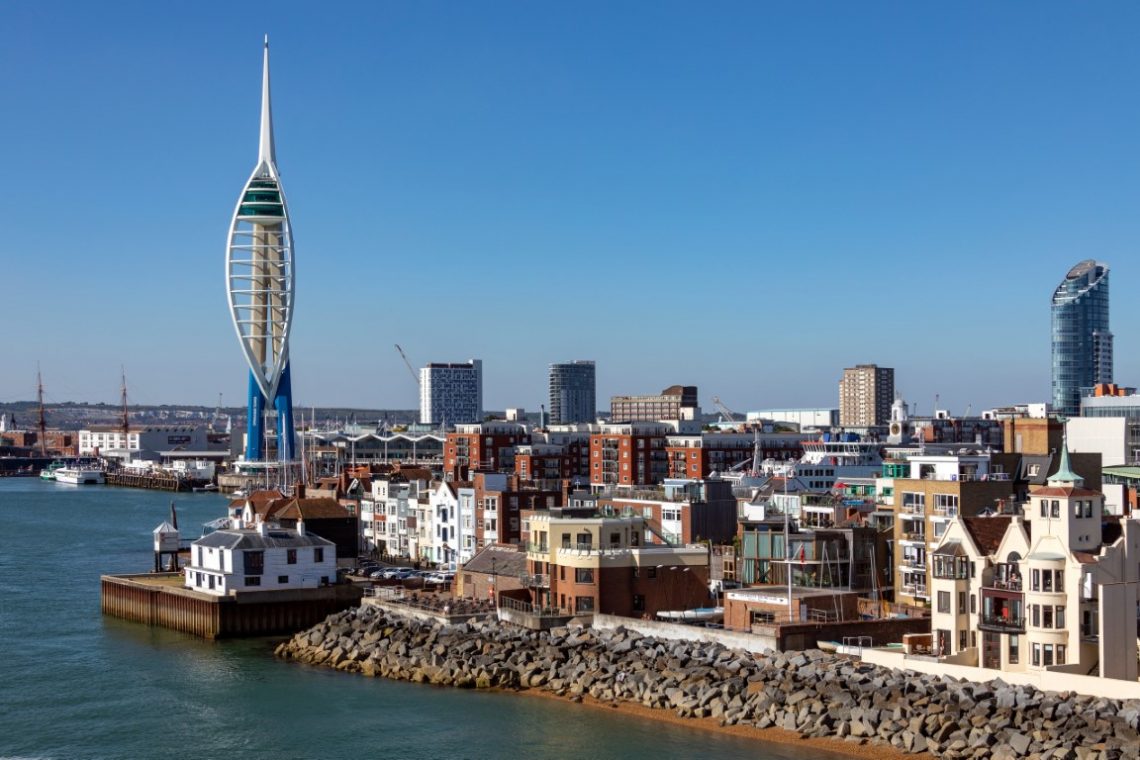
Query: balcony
x=915, y=536
x=915, y=589
x=1002, y=623
x=537, y=548
x=534, y=581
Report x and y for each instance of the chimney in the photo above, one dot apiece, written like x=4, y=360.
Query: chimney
x=300, y=490
x=262, y=528
x=301, y=527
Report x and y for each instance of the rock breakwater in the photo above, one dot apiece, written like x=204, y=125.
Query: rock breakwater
x=812, y=693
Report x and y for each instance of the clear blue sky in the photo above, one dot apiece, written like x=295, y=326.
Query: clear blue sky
x=743, y=196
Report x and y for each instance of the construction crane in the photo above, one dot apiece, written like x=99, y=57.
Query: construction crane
x=408, y=364
x=728, y=414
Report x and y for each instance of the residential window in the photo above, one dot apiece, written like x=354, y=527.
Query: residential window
x=638, y=603
x=973, y=604
x=253, y=580
x=1036, y=610
x=1060, y=654
x=1088, y=513
x=1059, y=618
x=1044, y=507
x=1054, y=508
x=943, y=601
x=1037, y=655
x=962, y=639
x=584, y=603
x=1014, y=649
x=1047, y=581
x=1058, y=580
x=318, y=554
x=291, y=556
x=1077, y=506
x=584, y=575
x=282, y=578
x=1036, y=580
x=962, y=604
x=1048, y=659
x=1047, y=616
x=254, y=563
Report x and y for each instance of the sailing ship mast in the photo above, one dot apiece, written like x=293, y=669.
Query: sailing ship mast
x=43, y=417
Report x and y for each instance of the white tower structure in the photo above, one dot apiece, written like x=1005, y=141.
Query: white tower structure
x=259, y=284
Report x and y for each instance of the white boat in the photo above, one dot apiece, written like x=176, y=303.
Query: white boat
x=703, y=615
x=80, y=475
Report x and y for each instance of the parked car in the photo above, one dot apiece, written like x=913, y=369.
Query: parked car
x=377, y=574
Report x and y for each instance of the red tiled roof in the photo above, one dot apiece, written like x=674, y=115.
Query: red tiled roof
x=1062, y=491
x=309, y=509
x=987, y=532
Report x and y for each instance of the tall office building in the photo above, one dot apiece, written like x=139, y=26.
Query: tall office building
x=259, y=286
x=866, y=393
x=451, y=394
x=1082, y=342
x=573, y=392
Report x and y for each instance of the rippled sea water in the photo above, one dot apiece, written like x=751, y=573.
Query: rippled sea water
x=74, y=684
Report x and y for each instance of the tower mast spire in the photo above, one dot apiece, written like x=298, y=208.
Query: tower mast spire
x=266, y=152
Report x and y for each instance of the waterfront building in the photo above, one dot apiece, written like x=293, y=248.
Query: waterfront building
x=632, y=454
x=573, y=394
x=1081, y=339
x=149, y=442
x=259, y=286
x=865, y=395
x=497, y=568
x=484, y=446
x=679, y=512
x=389, y=515
x=260, y=558
x=594, y=563
x=700, y=455
x=929, y=491
x=451, y=393
x=677, y=402
x=1051, y=589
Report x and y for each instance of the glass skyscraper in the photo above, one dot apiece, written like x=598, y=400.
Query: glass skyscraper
x=1082, y=342
x=572, y=392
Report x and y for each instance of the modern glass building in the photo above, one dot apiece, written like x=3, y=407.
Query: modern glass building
x=1082, y=342
x=573, y=392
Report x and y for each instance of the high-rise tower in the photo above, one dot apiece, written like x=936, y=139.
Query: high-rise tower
x=259, y=284
x=573, y=397
x=1082, y=342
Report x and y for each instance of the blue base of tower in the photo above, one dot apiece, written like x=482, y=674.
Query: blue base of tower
x=255, y=425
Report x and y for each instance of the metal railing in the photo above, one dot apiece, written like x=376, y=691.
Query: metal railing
x=534, y=581
x=528, y=608
x=1005, y=623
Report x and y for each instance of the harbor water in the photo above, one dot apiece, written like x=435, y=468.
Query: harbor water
x=74, y=684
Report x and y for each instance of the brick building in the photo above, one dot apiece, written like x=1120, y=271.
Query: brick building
x=680, y=512
x=590, y=564
x=487, y=446
x=632, y=453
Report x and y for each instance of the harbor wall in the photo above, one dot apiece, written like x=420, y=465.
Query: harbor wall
x=146, y=599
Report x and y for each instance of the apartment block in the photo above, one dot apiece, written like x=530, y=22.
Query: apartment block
x=451, y=393
x=1053, y=589
x=573, y=392
x=629, y=454
x=865, y=395
x=679, y=512
x=486, y=446
x=677, y=402
x=600, y=564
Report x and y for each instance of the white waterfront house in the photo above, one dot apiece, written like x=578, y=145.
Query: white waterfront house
x=260, y=558
x=1053, y=589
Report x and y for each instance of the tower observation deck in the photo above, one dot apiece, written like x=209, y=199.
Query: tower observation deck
x=259, y=285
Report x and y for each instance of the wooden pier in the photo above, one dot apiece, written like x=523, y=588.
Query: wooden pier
x=154, y=482
x=159, y=599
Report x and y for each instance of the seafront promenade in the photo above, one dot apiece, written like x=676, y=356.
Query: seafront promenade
x=812, y=694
